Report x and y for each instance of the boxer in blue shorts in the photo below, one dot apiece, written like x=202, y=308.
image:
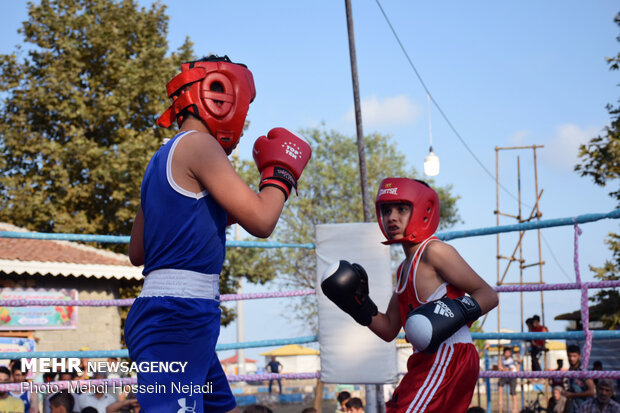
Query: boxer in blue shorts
x=190, y=193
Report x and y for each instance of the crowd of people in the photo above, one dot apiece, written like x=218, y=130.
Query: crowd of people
x=569, y=395
x=345, y=404
x=65, y=401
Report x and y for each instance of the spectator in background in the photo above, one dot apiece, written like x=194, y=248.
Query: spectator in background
x=603, y=402
x=98, y=400
x=597, y=365
x=274, y=367
x=124, y=406
x=354, y=405
x=537, y=346
x=62, y=376
x=476, y=409
x=558, y=381
x=8, y=403
x=84, y=366
x=61, y=402
x=30, y=399
x=257, y=408
x=508, y=363
x=342, y=398
x=579, y=390
x=557, y=402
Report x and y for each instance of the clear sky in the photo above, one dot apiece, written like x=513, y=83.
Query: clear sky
x=504, y=73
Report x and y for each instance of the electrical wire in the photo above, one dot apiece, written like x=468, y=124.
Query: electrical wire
x=458, y=135
x=555, y=259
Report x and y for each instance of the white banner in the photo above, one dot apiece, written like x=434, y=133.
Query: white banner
x=351, y=353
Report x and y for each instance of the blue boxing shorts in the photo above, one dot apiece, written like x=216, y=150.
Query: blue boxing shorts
x=171, y=332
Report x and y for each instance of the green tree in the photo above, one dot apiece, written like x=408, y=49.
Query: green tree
x=329, y=192
x=600, y=160
x=77, y=125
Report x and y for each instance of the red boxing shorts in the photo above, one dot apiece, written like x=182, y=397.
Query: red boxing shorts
x=439, y=382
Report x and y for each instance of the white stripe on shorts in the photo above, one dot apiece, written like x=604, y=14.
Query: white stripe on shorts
x=443, y=373
x=433, y=379
x=182, y=284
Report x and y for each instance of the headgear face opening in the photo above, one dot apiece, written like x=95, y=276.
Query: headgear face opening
x=215, y=90
x=424, y=202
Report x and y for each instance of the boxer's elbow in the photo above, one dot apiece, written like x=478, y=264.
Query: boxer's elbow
x=136, y=252
x=136, y=258
x=382, y=327
x=487, y=299
x=387, y=337
x=260, y=227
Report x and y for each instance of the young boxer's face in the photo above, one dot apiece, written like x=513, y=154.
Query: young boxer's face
x=395, y=218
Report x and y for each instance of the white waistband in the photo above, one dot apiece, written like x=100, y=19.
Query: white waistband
x=182, y=284
x=461, y=336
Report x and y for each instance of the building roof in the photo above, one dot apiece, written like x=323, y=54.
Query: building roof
x=595, y=312
x=65, y=258
x=233, y=360
x=291, y=350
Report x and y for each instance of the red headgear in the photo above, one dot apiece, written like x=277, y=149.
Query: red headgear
x=424, y=203
x=215, y=90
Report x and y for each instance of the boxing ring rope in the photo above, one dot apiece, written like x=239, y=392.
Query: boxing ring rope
x=126, y=302
x=444, y=236
x=124, y=239
x=570, y=335
x=63, y=385
x=587, y=333
x=125, y=353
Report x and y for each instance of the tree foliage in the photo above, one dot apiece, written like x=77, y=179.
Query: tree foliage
x=600, y=161
x=329, y=192
x=77, y=129
x=77, y=126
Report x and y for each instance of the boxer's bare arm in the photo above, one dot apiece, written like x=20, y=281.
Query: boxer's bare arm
x=387, y=325
x=199, y=157
x=136, y=241
x=453, y=269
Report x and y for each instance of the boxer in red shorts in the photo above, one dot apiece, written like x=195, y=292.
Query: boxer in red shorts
x=429, y=302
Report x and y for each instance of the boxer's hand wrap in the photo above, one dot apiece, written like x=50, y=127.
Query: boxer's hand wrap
x=432, y=323
x=281, y=157
x=347, y=286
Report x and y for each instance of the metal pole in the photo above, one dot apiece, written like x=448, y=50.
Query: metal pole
x=240, y=327
x=498, y=251
x=240, y=332
x=372, y=402
x=487, y=367
x=361, y=150
x=522, y=233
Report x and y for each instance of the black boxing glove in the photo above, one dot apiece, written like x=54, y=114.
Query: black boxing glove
x=432, y=323
x=346, y=285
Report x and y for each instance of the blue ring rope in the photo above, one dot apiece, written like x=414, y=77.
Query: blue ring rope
x=557, y=222
x=125, y=353
x=568, y=335
x=565, y=335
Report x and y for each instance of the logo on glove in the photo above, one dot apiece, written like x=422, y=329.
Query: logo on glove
x=292, y=149
x=468, y=301
x=442, y=309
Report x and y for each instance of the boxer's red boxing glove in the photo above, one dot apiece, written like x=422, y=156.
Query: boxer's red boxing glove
x=281, y=157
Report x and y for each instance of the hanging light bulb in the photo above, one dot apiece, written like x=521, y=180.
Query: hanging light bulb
x=431, y=162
